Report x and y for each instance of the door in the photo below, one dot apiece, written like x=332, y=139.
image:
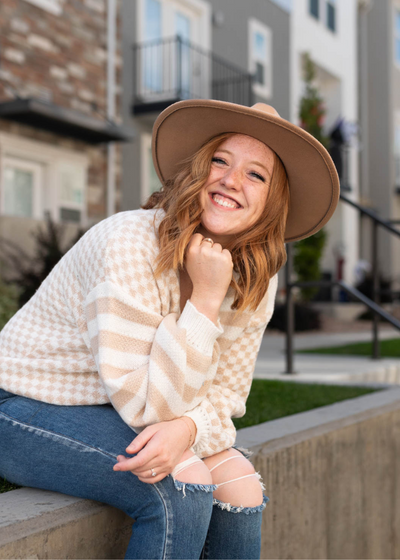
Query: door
x=170, y=32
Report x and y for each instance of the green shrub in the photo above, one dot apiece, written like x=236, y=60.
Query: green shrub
x=9, y=302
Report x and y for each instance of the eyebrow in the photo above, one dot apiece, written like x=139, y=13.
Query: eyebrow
x=251, y=162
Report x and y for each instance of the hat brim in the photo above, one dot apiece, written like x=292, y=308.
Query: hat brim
x=184, y=127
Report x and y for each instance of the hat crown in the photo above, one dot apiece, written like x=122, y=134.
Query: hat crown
x=264, y=108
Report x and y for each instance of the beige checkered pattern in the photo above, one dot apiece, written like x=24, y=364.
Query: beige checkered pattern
x=82, y=338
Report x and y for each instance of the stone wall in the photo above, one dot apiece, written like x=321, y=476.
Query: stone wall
x=61, y=59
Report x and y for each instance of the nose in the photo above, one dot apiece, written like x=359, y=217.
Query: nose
x=232, y=178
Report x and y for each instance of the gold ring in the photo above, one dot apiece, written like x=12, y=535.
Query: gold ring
x=209, y=240
x=153, y=472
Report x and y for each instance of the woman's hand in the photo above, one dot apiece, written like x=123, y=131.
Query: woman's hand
x=210, y=270
x=159, y=447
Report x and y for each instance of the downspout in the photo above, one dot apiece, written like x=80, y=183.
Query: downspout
x=364, y=8
x=111, y=45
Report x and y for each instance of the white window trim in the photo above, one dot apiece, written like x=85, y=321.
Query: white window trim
x=51, y=158
x=145, y=157
x=52, y=6
x=37, y=197
x=254, y=25
x=396, y=9
x=201, y=8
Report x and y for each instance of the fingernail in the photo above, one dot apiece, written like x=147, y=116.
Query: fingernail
x=116, y=468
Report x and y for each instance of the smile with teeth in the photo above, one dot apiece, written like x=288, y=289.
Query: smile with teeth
x=222, y=201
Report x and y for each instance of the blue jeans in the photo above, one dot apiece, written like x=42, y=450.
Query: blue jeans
x=72, y=449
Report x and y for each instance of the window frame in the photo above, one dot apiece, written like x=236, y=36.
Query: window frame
x=37, y=194
x=396, y=35
x=145, y=160
x=51, y=159
x=256, y=26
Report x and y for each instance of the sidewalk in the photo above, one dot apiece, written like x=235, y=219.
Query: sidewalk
x=314, y=368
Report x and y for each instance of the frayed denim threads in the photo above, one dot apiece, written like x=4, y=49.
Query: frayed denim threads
x=179, y=485
x=241, y=509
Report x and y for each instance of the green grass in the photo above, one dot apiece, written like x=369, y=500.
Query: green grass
x=270, y=399
x=5, y=486
x=389, y=349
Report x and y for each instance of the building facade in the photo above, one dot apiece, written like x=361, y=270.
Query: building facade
x=379, y=48
x=180, y=49
x=326, y=30
x=54, y=102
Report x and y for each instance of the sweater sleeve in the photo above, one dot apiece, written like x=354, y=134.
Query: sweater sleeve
x=153, y=368
x=227, y=395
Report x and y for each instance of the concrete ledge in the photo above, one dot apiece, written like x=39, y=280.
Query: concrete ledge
x=332, y=475
x=42, y=524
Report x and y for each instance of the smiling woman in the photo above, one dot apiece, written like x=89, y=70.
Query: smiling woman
x=119, y=379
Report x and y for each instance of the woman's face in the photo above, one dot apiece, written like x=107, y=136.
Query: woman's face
x=235, y=193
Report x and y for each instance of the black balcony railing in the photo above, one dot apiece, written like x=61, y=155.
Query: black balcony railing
x=169, y=70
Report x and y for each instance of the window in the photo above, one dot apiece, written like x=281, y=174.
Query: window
x=38, y=179
x=324, y=11
x=397, y=149
x=71, y=192
x=52, y=6
x=22, y=188
x=260, y=57
x=313, y=8
x=397, y=37
x=150, y=181
x=331, y=15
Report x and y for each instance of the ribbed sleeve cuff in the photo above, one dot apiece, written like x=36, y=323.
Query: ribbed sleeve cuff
x=203, y=425
x=201, y=332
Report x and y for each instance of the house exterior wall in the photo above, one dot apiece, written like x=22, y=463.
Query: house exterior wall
x=335, y=57
x=381, y=110
x=61, y=58
x=228, y=39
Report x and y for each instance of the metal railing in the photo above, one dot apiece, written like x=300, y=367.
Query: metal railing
x=373, y=304
x=168, y=70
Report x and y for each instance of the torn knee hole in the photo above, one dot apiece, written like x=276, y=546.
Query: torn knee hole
x=193, y=470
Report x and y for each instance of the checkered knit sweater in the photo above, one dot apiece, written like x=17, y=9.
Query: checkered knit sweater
x=102, y=328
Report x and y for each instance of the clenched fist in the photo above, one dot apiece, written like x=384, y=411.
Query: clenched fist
x=210, y=269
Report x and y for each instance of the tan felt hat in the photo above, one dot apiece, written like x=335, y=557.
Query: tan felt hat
x=182, y=128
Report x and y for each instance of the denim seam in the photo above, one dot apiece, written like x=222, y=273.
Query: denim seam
x=43, y=432
x=34, y=414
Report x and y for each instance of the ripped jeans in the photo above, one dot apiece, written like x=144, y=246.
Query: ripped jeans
x=72, y=450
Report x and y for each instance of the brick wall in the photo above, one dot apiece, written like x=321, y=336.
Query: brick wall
x=62, y=59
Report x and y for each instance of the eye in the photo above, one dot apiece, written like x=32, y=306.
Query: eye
x=218, y=160
x=258, y=176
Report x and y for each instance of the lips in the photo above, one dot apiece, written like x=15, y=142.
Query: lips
x=224, y=201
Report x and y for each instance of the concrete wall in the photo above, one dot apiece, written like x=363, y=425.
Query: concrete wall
x=332, y=475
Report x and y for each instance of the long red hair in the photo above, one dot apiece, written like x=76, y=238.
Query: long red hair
x=257, y=253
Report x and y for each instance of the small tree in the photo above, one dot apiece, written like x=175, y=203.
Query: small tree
x=308, y=252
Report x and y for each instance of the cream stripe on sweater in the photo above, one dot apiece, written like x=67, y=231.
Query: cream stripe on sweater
x=102, y=328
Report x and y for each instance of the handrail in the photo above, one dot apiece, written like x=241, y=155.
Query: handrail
x=371, y=214
x=377, y=309
x=173, y=68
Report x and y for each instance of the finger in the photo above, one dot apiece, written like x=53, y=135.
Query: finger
x=217, y=247
x=139, y=462
x=195, y=240
x=153, y=479
x=140, y=441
